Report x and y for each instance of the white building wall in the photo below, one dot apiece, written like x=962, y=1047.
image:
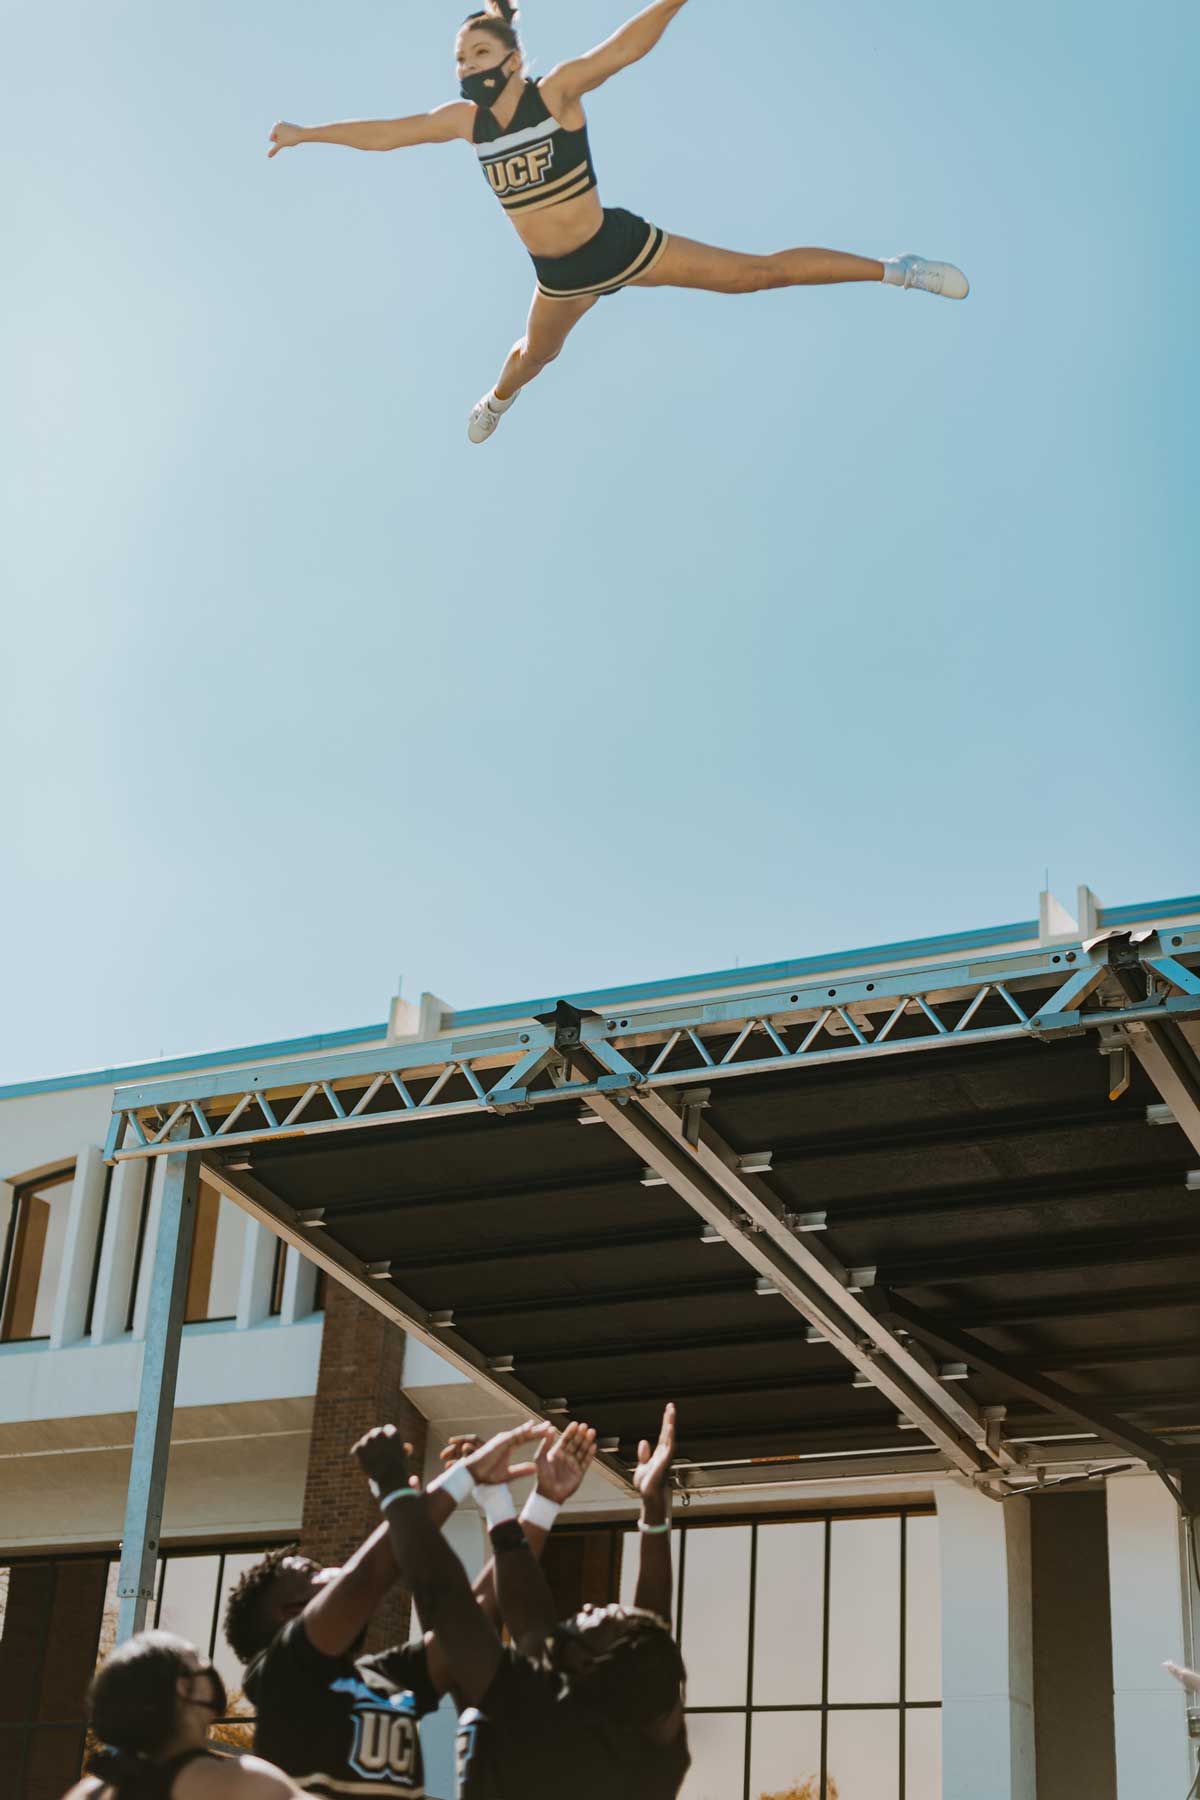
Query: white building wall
x=987, y=1646
x=245, y=1392
x=1146, y=1580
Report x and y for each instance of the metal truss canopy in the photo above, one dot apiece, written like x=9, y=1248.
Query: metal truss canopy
x=955, y=1127
x=659, y=1048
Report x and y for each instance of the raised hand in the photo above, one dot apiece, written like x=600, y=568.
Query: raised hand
x=1187, y=1678
x=385, y=1459
x=563, y=1463
x=492, y=1461
x=651, y=1477
x=283, y=136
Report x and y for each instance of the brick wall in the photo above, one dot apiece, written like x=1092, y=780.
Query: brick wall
x=358, y=1385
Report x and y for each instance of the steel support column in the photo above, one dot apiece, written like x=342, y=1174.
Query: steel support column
x=156, y=1397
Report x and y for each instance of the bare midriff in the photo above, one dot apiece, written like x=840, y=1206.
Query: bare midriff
x=563, y=228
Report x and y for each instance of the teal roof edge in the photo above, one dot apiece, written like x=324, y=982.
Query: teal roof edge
x=605, y=998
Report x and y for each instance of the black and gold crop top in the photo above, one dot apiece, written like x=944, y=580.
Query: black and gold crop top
x=533, y=161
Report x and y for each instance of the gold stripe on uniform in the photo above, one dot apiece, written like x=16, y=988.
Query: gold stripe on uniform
x=642, y=264
x=533, y=199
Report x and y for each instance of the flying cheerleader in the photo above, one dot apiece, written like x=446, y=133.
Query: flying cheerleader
x=531, y=138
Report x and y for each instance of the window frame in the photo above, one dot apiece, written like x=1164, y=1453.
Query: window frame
x=22, y=1192
x=748, y=1710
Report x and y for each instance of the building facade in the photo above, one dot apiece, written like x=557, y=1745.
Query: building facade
x=896, y=1637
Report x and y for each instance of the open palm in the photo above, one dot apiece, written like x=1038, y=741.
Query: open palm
x=654, y=1466
x=562, y=1465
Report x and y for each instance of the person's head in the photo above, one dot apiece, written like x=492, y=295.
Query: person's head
x=275, y=1590
x=153, y=1692
x=622, y=1663
x=488, y=52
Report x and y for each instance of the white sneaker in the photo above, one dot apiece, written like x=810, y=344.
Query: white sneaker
x=486, y=414
x=931, y=277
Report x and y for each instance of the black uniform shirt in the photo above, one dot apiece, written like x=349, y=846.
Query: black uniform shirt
x=340, y=1725
x=531, y=1739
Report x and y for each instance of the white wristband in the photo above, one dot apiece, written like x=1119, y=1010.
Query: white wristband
x=457, y=1481
x=654, y=1530
x=495, y=1502
x=540, y=1511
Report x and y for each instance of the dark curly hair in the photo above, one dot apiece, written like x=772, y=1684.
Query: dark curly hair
x=249, y=1626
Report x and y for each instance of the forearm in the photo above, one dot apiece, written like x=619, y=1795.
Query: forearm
x=484, y=1585
x=355, y=134
x=655, y=1591
x=523, y=1596
x=338, y=1611
x=641, y=34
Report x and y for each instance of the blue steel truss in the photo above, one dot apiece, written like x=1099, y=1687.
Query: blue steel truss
x=528, y=1064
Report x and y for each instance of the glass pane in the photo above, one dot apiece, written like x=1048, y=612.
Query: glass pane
x=864, y=1610
x=189, y=1591
x=227, y=1261
x=923, y=1671
x=53, y=1763
x=923, y=1758
x=785, y=1756
x=718, y=1745
x=716, y=1615
x=26, y=1620
x=69, y=1649
x=108, y=1618
x=864, y=1755
x=788, y=1614
x=226, y=1661
x=58, y=1199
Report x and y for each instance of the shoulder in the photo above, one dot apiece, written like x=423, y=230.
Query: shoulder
x=560, y=99
x=407, y=1667
x=291, y=1652
x=456, y=119
x=232, y=1778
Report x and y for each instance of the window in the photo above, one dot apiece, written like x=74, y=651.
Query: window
x=34, y=1228
x=58, y=1619
x=278, y=1271
x=49, y=1624
x=216, y=1266
x=812, y=1648
x=813, y=1658
x=139, y=1249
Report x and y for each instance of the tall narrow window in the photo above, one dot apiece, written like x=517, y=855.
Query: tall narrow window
x=215, y=1269
x=34, y=1233
x=139, y=1248
x=278, y=1270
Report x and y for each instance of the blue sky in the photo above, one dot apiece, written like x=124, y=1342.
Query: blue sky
x=764, y=626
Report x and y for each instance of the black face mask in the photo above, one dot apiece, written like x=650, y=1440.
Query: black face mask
x=486, y=87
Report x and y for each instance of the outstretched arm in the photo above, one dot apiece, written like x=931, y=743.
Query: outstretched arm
x=562, y=1463
x=441, y=126
x=429, y=1568
x=655, y=1583
x=634, y=40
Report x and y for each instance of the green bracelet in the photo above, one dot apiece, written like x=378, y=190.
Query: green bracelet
x=653, y=1530
x=399, y=1494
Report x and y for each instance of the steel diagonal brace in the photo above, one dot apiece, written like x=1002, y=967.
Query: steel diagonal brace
x=1091, y=1414
x=817, y=1262
x=857, y=1339
x=1165, y=1049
